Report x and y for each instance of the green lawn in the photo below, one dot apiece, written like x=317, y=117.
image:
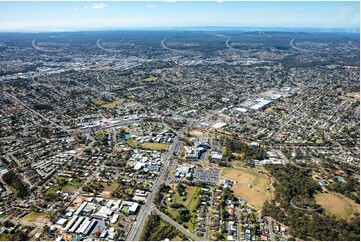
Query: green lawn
x=131, y=142
x=52, y=190
x=125, y=209
x=71, y=186
x=32, y=216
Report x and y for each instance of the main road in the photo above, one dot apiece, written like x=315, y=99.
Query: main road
x=137, y=228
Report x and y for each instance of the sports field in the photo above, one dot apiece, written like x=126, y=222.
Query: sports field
x=155, y=146
x=249, y=185
x=337, y=205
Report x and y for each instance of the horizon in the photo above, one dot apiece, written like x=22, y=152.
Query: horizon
x=195, y=28
x=100, y=16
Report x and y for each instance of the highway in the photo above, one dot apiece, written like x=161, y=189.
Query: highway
x=105, y=49
x=232, y=48
x=137, y=228
x=297, y=48
x=167, y=48
x=40, y=48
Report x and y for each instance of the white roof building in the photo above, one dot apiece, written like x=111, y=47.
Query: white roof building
x=61, y=221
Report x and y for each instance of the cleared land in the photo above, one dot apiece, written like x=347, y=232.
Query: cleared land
x=337, y=205
x=197, y=133
x=108, y=189
x=37, y=217
x=77, y=202
x=155, y=146
x=255, y=195
x=351, y=96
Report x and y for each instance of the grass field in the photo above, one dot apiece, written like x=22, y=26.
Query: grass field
x=34, y=217
x=135, y=88
x=99, y=102
x=242, y=178
x=337, y=205
x=71, y=187
x=107, y=105
x=112, y=104
x=131, y=142
x=155, y=146
x=106, y=193
x=151, y=78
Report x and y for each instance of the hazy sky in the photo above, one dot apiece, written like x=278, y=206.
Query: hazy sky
x=96, y=15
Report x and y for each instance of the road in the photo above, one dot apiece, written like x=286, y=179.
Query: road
x=12, y=157
x=167, y=48
x=136, y=231
x=239, y=224
x=270, y=229
x=232, y=48
x=209, y=215
x=297, y=48
x=40, y=48
x=105, y=49
x=37, y=113
x=179, y=227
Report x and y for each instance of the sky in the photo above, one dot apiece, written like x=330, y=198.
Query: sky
x=52, y=16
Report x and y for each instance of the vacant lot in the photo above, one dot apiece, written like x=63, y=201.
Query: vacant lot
x=35, y=217
x=108, y=189
x=350, y=96
x=155, y=146
x=77, y=202
x=255, y=195
x=337, y=205
x=197, y=133
x=112, y=104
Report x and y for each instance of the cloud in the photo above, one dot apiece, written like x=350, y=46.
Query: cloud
x=75, y=9
x=99, y=5
x=150, y=6
x=85, y=6
x=220, y=1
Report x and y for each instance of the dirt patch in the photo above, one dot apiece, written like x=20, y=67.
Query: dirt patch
x=108, y=189
x=36, y=217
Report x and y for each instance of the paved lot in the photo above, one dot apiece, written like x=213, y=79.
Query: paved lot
x=210, y=175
